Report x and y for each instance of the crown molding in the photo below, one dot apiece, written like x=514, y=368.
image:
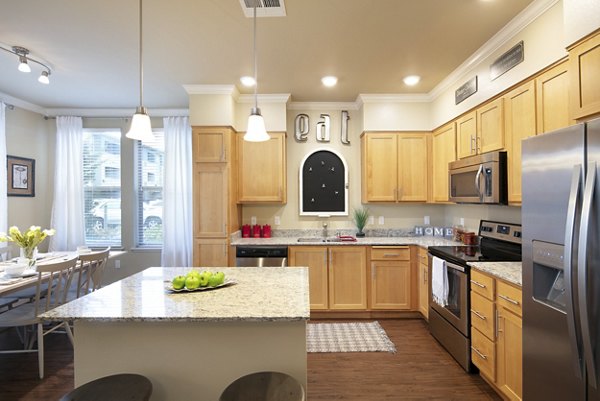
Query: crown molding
x=22, y=104
x=212, y=90
x=504, y=35
x=393, y=98
x=116, y=113
x=322, y=106
x=265, y=98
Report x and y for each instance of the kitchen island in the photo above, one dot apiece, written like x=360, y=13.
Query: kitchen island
x=191, y=345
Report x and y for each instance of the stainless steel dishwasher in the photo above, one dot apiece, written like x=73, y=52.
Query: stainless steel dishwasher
x=261, y=256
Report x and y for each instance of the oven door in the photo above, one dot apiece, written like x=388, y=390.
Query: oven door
x=455, y=312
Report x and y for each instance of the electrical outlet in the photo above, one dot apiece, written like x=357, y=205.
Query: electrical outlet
x=371, y=220
x=117, y=264
x=462, y=221
x=253, y=220
x=381, y=220
x=277, y=220
x=426, y=220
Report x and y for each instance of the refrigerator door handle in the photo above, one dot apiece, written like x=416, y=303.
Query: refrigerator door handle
x=478, y=181
x=574, y=202
x=582, y=270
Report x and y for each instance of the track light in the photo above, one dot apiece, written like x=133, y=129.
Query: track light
x=24, y=65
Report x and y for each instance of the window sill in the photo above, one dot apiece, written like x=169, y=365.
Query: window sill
x=142, y=250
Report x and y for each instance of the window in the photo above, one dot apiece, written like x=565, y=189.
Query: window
x=150, y=167
x=102, y=187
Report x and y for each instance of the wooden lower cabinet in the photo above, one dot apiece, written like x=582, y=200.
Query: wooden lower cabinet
x=496, y=333
x=423, y=283
x=390, y=278
x=337, y=275
x=213, y=252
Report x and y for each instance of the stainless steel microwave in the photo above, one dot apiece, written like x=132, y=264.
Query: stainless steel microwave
x=479, y=179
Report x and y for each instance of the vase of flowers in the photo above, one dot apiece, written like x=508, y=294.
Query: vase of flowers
x=27, y=241
x=360, y=220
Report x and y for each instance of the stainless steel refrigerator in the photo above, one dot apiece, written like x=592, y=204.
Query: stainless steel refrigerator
x=561, y=264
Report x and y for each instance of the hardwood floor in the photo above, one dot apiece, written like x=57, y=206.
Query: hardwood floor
x=420, y=370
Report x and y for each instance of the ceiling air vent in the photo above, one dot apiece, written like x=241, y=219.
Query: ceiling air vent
x=264, y=8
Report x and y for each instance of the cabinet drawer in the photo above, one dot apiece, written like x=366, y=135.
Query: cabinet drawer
x=482, y=284
x=509, y=297
x=483, y=354
x=482, y=315
x=423, y=256
x=390, y=253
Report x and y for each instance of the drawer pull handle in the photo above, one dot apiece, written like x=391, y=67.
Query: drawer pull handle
x=478, y=353
x=479, y=315
x=478, y=284
x=390, y=255
x=507, y=299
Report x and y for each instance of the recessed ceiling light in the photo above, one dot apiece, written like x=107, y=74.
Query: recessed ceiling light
x=329, y=81
x=247, y=81
x=412, y=80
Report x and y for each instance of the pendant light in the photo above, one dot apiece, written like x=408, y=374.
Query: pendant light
x=256, y=131
x=140, y=128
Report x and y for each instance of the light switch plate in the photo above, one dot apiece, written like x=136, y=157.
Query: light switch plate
x=381, y=220
x=426, y=220
x=371, y=220
x=277, y=220
x=253, y=220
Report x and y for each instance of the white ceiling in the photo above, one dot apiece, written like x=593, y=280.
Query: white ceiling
x=370, y=45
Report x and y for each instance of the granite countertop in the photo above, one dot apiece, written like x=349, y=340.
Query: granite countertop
x=261, y=294
x=367, y=241
x=507, y=271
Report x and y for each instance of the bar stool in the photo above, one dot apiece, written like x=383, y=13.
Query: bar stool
x=264, y=386
x=119, y=387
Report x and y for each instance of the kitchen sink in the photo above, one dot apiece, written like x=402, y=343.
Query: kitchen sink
x=319, y=239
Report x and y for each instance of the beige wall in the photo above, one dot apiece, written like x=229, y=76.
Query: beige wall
x=581, y=17
x=395, y=114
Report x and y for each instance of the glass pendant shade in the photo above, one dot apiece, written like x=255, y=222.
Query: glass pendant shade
x=44, y=78
x=23, y=66
x=140, y=128
x=256, y=131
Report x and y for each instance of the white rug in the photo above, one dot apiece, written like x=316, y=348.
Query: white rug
x=347, y=337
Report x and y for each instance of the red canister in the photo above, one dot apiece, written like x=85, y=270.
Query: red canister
x=246, y=231
x=256, y=231
x=266, y=231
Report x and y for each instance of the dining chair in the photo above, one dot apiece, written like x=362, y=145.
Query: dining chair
x=89, y=273
x=26, y=315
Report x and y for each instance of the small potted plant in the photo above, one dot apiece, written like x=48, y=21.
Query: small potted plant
x=360, y=217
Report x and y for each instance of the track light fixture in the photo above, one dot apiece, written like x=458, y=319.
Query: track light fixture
x=24, y=59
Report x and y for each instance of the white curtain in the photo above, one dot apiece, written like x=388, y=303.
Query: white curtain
x=67, y=207
x=177, y=193
x=3, y=183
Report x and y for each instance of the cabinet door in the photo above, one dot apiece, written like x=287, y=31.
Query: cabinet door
x=490, y=127
x=424, y=290
x=211, y=252
x=466, y=134
x=210, y=200
x=413, y=164
x=315, y=258
x=520, y=124
x=444, y=152
x=390, y=285
x=348, y=277
x=211, y=144
x=380, y=155
x=262, y=170
x=584, y=71
x=509, y=354
x=552, y=99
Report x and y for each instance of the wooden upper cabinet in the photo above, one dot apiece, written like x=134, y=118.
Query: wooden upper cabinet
x=552, y=99
x=262, y=170
x=584, y=71
x=490, y=126
x=211, y=144
x=466, y=135
x=520, y=119
x=395, y=167
x=380, y=174
x=443, y=152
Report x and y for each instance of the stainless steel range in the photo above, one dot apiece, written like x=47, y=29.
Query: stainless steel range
x=451, y=324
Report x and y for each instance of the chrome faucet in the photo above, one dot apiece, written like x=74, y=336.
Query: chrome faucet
x=324, y=230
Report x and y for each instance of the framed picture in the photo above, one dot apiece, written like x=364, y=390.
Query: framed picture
x=20, y=176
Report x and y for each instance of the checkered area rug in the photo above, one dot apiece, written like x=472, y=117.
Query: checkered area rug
x=347, y=337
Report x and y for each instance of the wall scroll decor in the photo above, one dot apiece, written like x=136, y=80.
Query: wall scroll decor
x=323, y=184
x=323, y=128
x=20, y=176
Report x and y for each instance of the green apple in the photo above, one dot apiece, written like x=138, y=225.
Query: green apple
x=204, y=278
x=178, y=282
x=194, y=273
x=192, y=282
x=216, y=279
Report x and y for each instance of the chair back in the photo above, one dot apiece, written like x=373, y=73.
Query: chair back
x=59, y=275
x=91, y=270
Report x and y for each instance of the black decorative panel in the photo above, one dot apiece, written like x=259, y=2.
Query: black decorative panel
x=323, y=179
